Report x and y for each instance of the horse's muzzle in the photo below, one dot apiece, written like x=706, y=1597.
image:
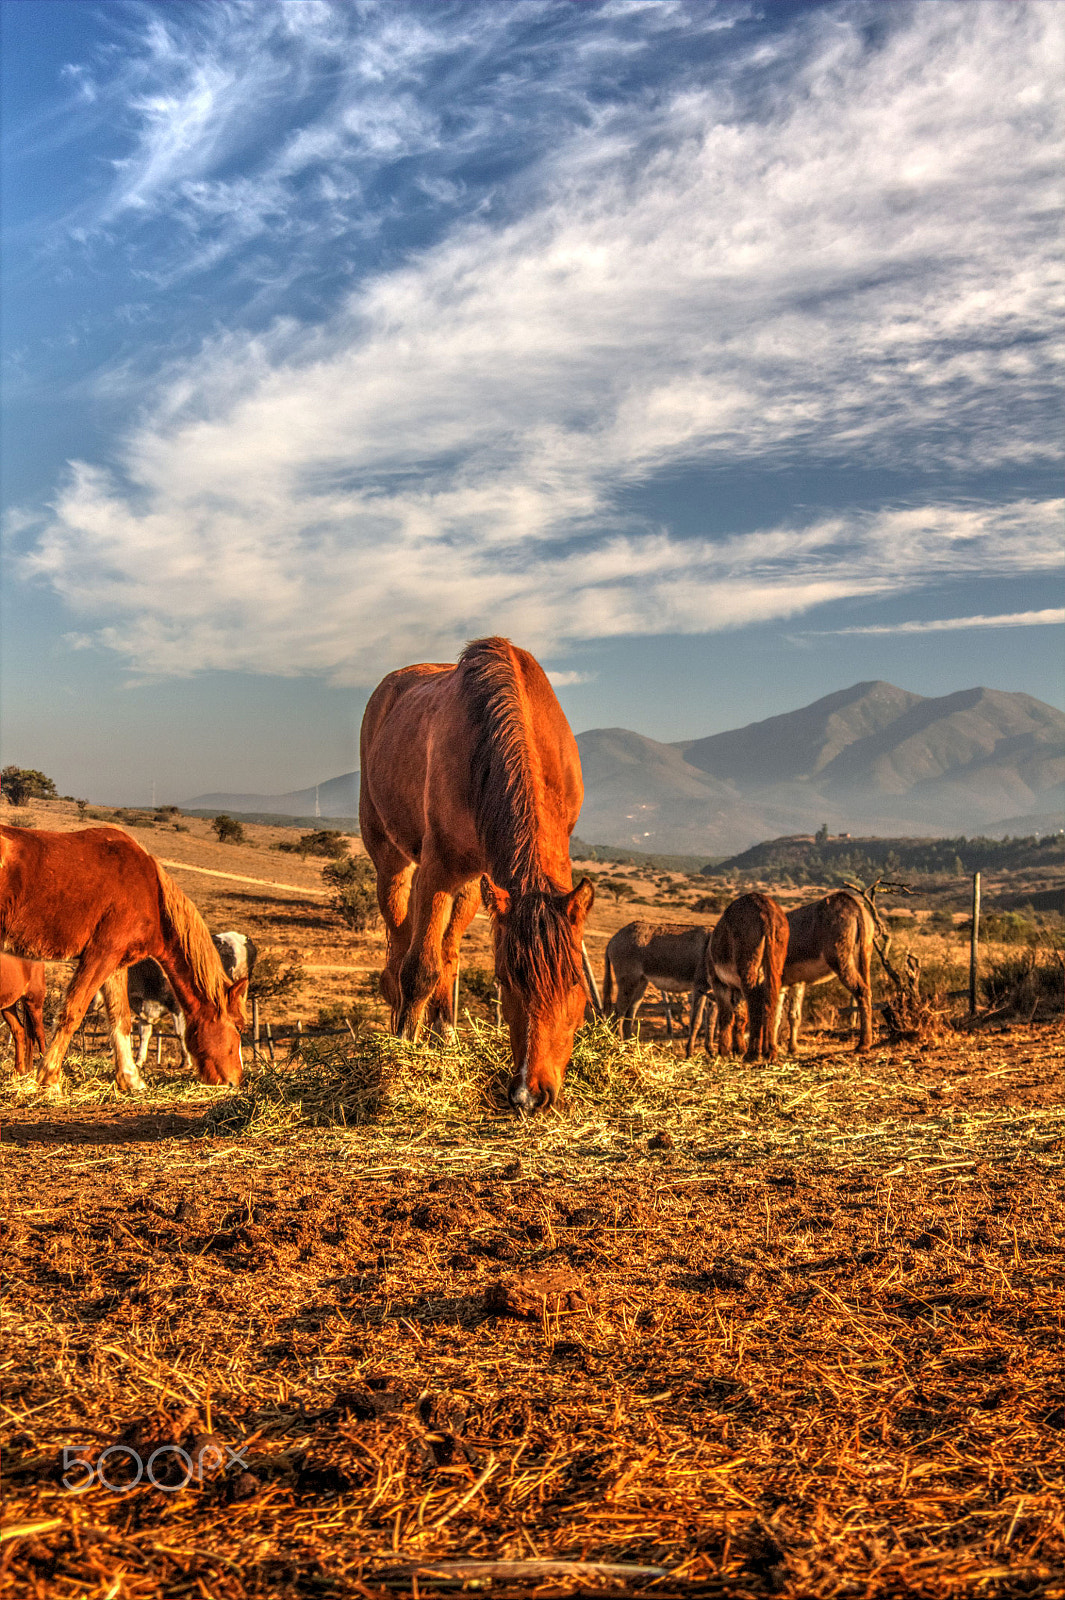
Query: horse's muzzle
x=524, y=1100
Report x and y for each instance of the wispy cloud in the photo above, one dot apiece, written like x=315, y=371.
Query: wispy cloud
x=1012, y=619
x=842, y=252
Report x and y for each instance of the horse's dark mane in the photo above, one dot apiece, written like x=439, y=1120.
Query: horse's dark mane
x=534, y=946
x=504, y=792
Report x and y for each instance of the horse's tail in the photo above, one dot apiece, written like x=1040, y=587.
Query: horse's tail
x=183, y=924
x=608, y=986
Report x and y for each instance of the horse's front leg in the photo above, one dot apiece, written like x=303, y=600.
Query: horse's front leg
x=440, y=1016
x=431, y=904
x=90, y=974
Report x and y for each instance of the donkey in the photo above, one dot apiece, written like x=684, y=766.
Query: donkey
x=830, y=938
x=671, y=955
x=744, y=962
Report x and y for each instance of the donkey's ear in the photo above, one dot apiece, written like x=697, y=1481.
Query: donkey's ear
x=496, y=901
x=235, y=998
x=579, y=902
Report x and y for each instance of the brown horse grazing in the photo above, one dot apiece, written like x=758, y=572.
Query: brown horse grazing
x=471, y=771
x=97, y=895
x=23, y=981
x=830, y=938
x=745, y=957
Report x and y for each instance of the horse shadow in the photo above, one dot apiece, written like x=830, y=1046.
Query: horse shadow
x=144, y=1127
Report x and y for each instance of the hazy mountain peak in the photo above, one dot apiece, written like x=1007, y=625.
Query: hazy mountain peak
x=799, y=744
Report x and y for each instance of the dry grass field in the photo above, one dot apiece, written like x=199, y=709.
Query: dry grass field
x=713, y=1330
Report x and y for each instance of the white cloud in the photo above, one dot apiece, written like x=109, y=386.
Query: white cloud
x=569, y=680
x=858, y=270
x=1011, y=619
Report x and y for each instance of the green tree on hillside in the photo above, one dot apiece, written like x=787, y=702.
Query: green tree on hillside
x=20, y=784
x=228, y=829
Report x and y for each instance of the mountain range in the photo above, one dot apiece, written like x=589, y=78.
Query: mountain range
x=870, y=759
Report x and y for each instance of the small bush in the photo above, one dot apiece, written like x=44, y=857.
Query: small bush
x=708, y=904
x=1008, y=927
x=228, y=829
x=1029, y=985
x=335, y=1013
x=480, y=982
x=20, y=784
x=323, y=842
x=355, y=898
x=274, y=978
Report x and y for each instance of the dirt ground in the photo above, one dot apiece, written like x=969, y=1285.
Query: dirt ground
x=787, y=1330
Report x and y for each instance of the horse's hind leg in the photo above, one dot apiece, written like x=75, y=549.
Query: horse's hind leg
x=179, y=1034
x=395, y=878
x=14, y=1021
x=116, y=1002
x=796, y=996
x=851, y=975
x=630, y=997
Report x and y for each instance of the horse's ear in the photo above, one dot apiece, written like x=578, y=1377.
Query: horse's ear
x=235, y=1000
x=496, y=901
x=579, y=902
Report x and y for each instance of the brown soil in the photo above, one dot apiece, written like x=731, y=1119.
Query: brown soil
x=810, y=1347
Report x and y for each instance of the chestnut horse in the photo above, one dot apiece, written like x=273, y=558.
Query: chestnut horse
x=471, y=771
x=23, y=981
x=745, y=957
x=95, y=894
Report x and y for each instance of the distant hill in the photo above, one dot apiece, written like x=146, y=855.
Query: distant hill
x=337, y=797
x=872, y=759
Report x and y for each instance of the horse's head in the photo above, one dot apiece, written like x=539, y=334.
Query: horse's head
x=213, y=1038
x=538, y=963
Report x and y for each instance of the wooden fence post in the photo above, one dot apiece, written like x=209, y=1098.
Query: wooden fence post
x=499, y=1009
x=590, y=976
x=455, y=996
x=974, y=940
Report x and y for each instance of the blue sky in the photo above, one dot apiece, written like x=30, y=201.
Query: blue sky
x=710, y=351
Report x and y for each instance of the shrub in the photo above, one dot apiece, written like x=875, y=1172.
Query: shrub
x=1008, y=927
x=335, y=1013
x=323, y=842
x=708, y=904
x=355, y=898
x=273, y=979
x=20, y=784
x=480, y=982
x=1026, y=985
x=228, y=829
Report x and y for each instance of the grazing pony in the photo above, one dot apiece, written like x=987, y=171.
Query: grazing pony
x=829, y=938
x=151, y=998
x=471, y=772
x=671, y=955
x=97, y=895
x=23, y=982
x=745, y=958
